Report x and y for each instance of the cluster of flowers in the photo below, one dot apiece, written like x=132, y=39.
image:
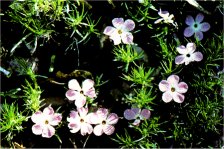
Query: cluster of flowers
x=78, y=120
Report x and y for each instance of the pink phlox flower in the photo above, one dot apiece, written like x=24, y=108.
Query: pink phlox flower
x=173, y=89
x=120, y=31
x=80, y=121
x=166, y=18
x=188, y=54
x=104, y=122
x=44, y=122
x=137, y=115
x=79, y=94
x=196, y=26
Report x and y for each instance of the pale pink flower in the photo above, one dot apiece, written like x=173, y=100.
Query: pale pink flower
x=166, y=18
x=187, y=54
x=45, y=121
x=173, y=89
x=79, y=94
x=120, y=31
x=80, y=121
x=104, y=121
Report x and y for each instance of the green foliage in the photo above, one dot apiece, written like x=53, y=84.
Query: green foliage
x=11, y=120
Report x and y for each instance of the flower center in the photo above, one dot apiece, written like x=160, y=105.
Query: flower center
x=188, y=55
x=81, y=120
x=119, y=31
x=103, y=122
x=81, y=92
x=195, y=25
x=46, y=122
x=172, y=89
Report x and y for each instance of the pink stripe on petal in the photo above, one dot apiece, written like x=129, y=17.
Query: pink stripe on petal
x=87, y=84
x=74, y=85
x=48, y=131
x=98, y=130
x=90, y=93
x=37, y=129
x=166, y=97
x=127, y=38
x=48, y=111
x=173, y=79
x=102, y=113
x=86, y=129
x=93, y=118
x=205, y=26
x=71, y=94
x=37, y=117
x=182, y=87
x=82, y=111
x=189, y=20
x=118, y=22
x=188, y=32
x=199, y=18
x=112, y=118
x=74, y=114
x=164, y=86
x=199, y=35
x=197, y=56
x=108, y=129
x=180, y=59
x=75, y=127
x=109, y=30
x=145, y=114
x=56, y=119
x=129, y=25
x=177, y=97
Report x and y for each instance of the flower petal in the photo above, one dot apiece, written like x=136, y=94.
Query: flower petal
x=93, y=118
x=56, y=119
x=48, y=111
x=136, y=111
x=205, y=26
x=88, y=88
x=108, y=129
x=48, y=131
x=37, y=129
x=164, y=86
x=145, y=114
x=86, y=128
x=116, y=38
x=189, y=20
x=80, y=101
x=177, y=97
x=197, y=56
x=191, y=47
x=199, y=18
x=180, y=59
x=109, y=30
x=182, y=49
x=74, y=85
x=118, y=22
x=37, y=117
x=127, y=38
x=188, y=32
x=166, y=97
x=75, y=127
x=199, y=35
x=136, y=122
x=98, y=130
x=82, y=111
x=129, y=25
x=72, y=95
x=173, y=79
x=163, y=14
x=158, y=21
x=73, y=115
x=129, y=114
x=102, y=113
x=112, y=118
x=182, y=87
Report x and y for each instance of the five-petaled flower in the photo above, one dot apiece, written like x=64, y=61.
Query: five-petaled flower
x=120, y=31
x=173, y=89
x=137, y=115
x=166, y=18
x=104, y=122
x=187, y=54
x=195, y=26
x=80, y=121
x=79, y=94
x=45, y=121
